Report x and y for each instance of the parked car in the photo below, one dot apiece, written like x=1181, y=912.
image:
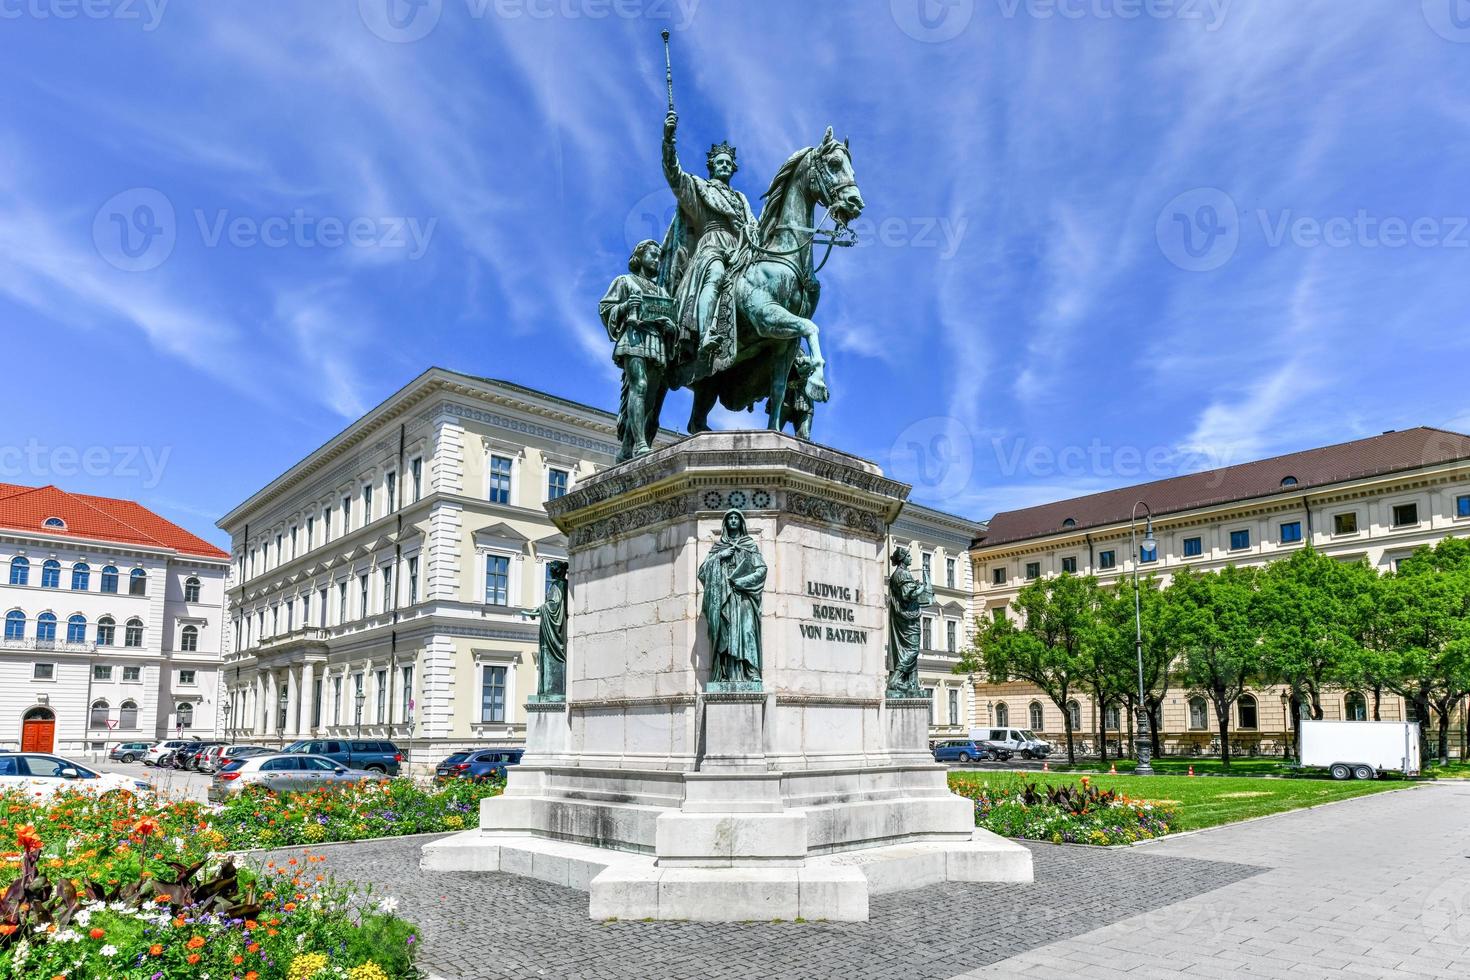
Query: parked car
x=478, y=764
x=194, y=755
x=128, y=751
x=281, y=772
x=173, y=758
x=216, y=756
x=49, y=775
x=160, y=749
x=968, y=750
x=1021, y=741
x=371, y=754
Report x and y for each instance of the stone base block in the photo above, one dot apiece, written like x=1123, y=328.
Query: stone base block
x=836, y=887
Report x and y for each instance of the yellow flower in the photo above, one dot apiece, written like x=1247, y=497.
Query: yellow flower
x=368, y=971
x=306, y=966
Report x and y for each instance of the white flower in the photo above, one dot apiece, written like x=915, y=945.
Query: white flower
x=109, y=950
x=66, y=936
x=83, y=917
x=388, y=905
x=117, y=906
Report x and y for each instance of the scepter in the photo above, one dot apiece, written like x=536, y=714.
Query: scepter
x=668, y=69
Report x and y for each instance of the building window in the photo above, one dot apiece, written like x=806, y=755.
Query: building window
x=326, y=524
x=1193, y=547
x=1240, y=540
x=98, y=717
x=184, y=715
x=416, y=470
x=133, y=633
x=101, y=672
x=997, y=576
x=1002, y=714
x=1074, y=711
x=341, y=602
x=1291, y=532
x=81, y=577
x=949, y=572
x=413, y=580
x=321, y=598
x=186, y=678
x=492, y=694
x=1111, y=718
x=346, y=513
x=926, y=631
x=1198, y=714
x=497, y=580
x=46, y=628
x=132, y=674
x=926, y=561
x=387, y=571
x=15, y=625
x=337, y=700
x=106, y=631
x=933, y=710
x=954, y=706
x=362, y=595
x=316, y=703
x=137, y=582
x=189, y=639
x=951, y=636
x=43, y=672
x=1033, y=570
x=1405, y=515
x=1034, y=711
x=1245, y=709
x=109, y=579
x=405, y=695
x=306, y=609
x=76, y=629
x=556, y=483
x=1107, y=559
x=51, y=574
x=1147, y=555
x=1069, y=565
x=1354, y=707
x=310, y=531
x=390, y=488
x=127, y=716
x=1462, y=505
x=500, y=479
x=20, y=571
x=191, y=589
x=1345, y=523
x=380, y=685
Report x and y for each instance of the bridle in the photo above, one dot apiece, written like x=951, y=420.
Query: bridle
x=840, y=236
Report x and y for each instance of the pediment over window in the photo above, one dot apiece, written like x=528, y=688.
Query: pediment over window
x=499, y=534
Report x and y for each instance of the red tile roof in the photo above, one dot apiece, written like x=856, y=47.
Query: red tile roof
x=1391, y=452
x=96, y=519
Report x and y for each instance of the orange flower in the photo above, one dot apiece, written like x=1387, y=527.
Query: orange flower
x=238, y=960
x=195, y=942
x=192, y=958
x=155, y=950
x=290, y=906
x=7, y=930
x=179, y=922
x=253, y=948
x=252, y=975
x=26, y=837
x=96, y=933
x=251, y=924
x=146, y=826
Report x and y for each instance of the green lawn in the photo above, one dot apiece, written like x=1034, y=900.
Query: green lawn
x=1172, y=766
x=1208, y=802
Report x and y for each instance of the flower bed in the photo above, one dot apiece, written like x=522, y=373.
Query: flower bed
x=1066, y=814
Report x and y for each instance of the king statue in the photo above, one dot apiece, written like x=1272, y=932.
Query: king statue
x=635, y=313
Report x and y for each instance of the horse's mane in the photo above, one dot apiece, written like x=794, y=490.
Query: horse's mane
x=771, y=199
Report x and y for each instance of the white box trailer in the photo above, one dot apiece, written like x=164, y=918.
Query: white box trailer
x=1361, y=749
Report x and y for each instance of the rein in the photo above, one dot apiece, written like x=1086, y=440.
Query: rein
x=841, y=236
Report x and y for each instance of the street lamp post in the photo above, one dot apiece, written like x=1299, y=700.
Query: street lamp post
x=229, y=732
x=361, y=697
x=282, y=704
x=1144, y=744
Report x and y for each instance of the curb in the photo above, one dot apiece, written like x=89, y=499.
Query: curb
x=335, y=843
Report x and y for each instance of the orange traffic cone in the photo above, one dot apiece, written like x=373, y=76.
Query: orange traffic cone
x=1045, y=766
x=1113, y=769
x=1191, y=770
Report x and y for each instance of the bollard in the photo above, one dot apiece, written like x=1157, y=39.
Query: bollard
x=1045, y=766
x=1113, y=769
x=1191, y=770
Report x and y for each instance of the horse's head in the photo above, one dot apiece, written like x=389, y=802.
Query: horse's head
x=832, y=176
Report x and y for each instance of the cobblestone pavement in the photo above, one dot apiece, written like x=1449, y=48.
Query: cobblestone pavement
x=1373, y=887
x=478, y=926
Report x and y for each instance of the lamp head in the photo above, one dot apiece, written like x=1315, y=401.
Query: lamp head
x=1149, y=542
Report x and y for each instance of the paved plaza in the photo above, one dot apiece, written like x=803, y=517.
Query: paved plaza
x=1371, y=887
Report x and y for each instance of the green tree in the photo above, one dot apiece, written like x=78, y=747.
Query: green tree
x=1158, y=652
x=1214, y=620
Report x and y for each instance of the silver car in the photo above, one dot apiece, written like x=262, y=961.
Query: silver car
x=281, y=772
x=216, y=756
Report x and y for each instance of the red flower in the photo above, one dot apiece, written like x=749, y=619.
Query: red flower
x=96, y=933
x=26, y=837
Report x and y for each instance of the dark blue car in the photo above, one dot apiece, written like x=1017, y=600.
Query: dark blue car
x=373, y=754
x=967, y=750
x=479, y=764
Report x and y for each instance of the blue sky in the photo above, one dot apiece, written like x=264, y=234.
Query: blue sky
x=1105, y=240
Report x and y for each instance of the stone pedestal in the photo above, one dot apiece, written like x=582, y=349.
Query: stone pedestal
x=668, y=797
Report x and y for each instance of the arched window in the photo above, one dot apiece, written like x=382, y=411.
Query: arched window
x=1354, y=708
x=137, y=582
x=98, y=718
x=1199, y=718
x=1002, y=714
x=20, y=571
x=109, y=579
x=1035, y=713
x=1074, y=711
x=127, y=715
x=184, y=715
x=81, y=577
x=76, y=629
x=189, y=639
x=54, y=522
x=1245, y=710
x=51, y=574
x=106, y=631
x=15, y=625
x=46, y=628
x=191, y=589
x=1111, y=717
x=133, y=634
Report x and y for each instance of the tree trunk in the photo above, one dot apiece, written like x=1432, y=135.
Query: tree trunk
x=1155, y=712
x=1377, y=699
x=1444, y=732
x=1421, y=710
x=1102, y=731
x=1222, y=715
x=1296, y=722
x=1316, y=702
x=1132, y=747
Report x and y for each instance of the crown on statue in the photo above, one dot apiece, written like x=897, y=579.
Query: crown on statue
x=716, y=149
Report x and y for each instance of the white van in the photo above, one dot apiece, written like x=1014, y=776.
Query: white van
x=1021, y=741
